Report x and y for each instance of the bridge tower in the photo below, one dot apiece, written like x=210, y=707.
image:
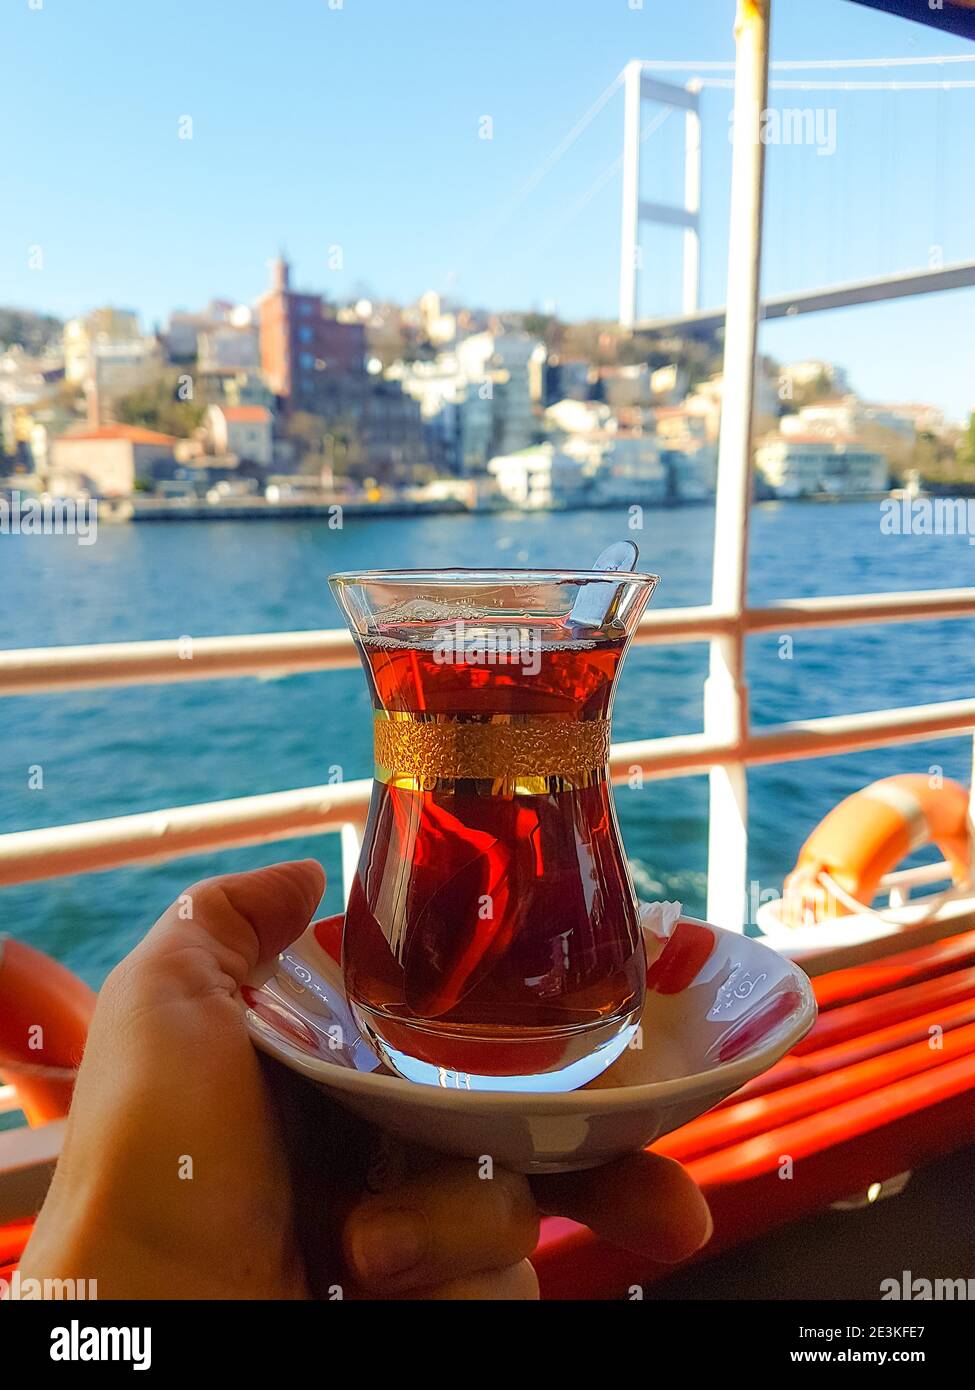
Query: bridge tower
x=638, y=87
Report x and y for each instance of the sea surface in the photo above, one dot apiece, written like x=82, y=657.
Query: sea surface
x=106, y=753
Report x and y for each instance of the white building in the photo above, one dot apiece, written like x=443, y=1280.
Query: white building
x=804, y=465
x=847, y=416
x=183, y=329
x=541, y=478
x=244, y=430
x=705, y=401
x=908, y=418
x=475, y=401
x=438, y=322
x=228, y=347
x=578, y=417
x=799, y=375
x=499, y=363
x=457, y=414
x=625, y=465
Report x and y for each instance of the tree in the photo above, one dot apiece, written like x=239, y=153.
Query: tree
x=160, y=406
x=966, y=448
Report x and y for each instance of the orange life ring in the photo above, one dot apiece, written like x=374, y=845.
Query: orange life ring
x=868, y=834
x=44, y=1015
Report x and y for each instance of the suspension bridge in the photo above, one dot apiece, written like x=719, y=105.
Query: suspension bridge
x=678, y=89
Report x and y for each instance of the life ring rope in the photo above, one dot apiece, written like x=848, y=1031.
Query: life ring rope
x=956, y=890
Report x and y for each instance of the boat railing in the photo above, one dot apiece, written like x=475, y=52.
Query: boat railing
x=341, y=807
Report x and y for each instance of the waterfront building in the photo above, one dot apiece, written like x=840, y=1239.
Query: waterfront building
x=473, y=403
x=244, y=430
x=808, y=465
x=624, y=465
x=110, y=460
x=442, y=394
x=497, y=364
x=541, y=478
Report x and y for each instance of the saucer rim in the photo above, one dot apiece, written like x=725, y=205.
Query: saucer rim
x=726, y=1076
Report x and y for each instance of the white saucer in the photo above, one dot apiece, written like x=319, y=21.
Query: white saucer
x=720, y=1009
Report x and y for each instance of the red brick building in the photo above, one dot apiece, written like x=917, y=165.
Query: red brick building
x=299, y=343
x=314, y=363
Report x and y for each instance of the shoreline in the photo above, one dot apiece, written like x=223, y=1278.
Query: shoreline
x=124, y=511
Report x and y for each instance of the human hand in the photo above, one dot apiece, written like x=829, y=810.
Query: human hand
x=193, y=1168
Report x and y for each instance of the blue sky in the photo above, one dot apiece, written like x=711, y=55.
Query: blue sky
x=355, y=125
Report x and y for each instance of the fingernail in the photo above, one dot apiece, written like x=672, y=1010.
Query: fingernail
x=388, y=1242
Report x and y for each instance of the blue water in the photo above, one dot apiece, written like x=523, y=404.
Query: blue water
x=110, y=752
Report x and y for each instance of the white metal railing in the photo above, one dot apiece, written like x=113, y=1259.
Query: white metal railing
x=32, y=855
x=40, y=670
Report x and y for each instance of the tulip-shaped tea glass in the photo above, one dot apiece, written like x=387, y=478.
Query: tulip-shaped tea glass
x=491, y=938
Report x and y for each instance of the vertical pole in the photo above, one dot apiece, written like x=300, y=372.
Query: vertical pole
x=725, y=692
x=630, y=231
x=971, y=821
x=692, y=202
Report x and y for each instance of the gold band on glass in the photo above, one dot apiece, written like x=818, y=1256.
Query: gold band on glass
x=526, y=752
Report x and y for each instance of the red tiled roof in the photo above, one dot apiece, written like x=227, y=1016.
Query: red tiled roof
x=245, y=414
x=135, y=434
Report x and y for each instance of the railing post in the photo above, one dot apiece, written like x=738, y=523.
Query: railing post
x=692, y=202
x=630, y=222
x=725, y=696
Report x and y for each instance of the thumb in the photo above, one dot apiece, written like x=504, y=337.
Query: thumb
x=221, y=930
x=169, y=1073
